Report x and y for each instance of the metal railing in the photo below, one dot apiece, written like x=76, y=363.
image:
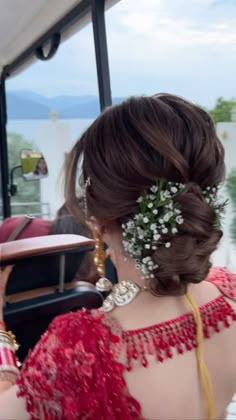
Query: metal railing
x=42, y=210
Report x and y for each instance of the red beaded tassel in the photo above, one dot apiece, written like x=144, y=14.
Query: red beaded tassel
x=178, y=334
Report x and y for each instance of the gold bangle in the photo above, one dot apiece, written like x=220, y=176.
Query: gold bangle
x=11, y=337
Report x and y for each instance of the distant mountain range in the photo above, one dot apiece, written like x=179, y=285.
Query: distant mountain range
x=26, y=105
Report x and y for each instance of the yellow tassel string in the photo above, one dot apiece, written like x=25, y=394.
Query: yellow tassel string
x=204, y=375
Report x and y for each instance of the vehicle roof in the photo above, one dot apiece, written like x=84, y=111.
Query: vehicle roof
x=24, y=22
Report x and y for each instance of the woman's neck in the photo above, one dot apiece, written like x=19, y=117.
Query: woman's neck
x=126, y=270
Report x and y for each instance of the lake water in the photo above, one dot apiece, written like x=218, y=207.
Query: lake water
x=29, y=128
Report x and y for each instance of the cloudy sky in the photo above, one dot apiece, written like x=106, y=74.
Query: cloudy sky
x=187, y=47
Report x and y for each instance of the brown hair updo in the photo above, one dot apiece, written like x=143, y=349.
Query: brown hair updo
x=132, y=145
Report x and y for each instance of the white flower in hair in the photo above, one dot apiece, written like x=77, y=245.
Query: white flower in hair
x=130, y=224
x=152, y=197
x=154, y=188
x=217, y=204
x=167, y=217
x=179, y=220
x=159, y=214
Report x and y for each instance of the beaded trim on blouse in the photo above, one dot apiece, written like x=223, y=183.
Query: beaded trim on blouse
x=75, y=372
x=180, y=333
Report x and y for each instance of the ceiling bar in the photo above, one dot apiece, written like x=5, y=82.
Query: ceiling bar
x=100, y=42
x=6, y=208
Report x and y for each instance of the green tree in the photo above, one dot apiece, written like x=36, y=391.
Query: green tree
x=222, y=110
x=27, y=192
x=231, y=190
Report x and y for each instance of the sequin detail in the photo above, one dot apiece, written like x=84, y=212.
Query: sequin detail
x=73, y=373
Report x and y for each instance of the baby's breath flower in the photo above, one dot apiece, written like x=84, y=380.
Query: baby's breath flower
x=179, y=220
x=154, y=188
x=157, y=214
x=167, y=217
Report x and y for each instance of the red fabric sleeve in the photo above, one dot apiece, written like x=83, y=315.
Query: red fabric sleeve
x=73, y=372
x=224, y=280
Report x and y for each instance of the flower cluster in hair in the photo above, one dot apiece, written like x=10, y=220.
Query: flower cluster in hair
x=217, y=203
x=157, y=219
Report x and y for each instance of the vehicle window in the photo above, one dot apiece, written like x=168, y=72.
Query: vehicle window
x=49, y=105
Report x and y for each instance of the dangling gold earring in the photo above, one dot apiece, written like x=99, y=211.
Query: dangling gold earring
x=103, y=284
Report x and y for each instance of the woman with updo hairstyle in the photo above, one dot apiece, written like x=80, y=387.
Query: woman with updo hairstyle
x=163, y=344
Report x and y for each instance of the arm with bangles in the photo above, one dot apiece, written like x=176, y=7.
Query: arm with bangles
x=11, y=406
x=68, y=342
x=8, y=369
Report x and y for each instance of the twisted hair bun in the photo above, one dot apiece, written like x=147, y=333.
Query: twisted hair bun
x=133, y=145
x=188, y=258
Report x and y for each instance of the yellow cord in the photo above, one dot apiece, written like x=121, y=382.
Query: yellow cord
x=204, y=375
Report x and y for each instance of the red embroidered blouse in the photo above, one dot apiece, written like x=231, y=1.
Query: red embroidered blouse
x=74, y=371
